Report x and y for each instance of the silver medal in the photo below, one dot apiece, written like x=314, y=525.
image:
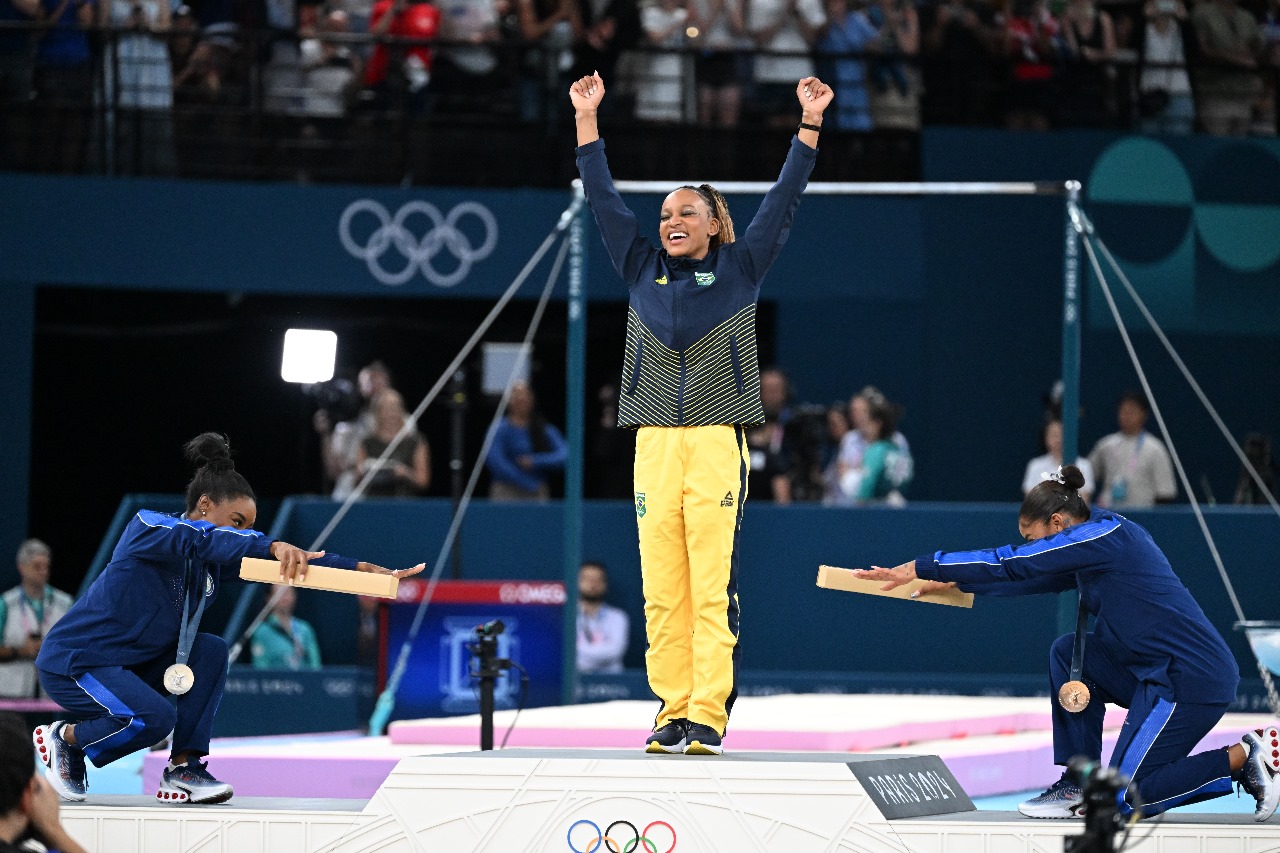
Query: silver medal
x=179, y=678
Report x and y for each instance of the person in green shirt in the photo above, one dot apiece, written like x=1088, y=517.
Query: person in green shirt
x=283, y=641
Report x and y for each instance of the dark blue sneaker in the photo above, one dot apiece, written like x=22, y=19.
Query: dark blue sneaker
x=63, y=762
x=700, y=739
x=669, y=739
x=192, y=783
x=1063, y=799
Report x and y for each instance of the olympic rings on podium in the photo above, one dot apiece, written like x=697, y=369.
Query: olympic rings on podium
x=640, y=842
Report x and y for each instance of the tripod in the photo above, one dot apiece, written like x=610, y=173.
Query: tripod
x=489, y=668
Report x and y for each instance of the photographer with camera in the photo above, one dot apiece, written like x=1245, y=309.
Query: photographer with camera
x=1151, y=650
x=27, y=612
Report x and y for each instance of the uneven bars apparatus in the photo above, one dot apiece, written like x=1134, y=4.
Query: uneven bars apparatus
x=575, y=359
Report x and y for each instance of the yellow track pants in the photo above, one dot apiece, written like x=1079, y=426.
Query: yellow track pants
x=690, y=485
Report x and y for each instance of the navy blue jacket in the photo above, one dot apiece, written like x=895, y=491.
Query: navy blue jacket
x=132, y=612
x=691, y=335
x=1146, y=620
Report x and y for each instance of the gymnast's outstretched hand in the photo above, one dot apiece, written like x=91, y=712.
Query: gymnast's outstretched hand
x=896, y=577
x=293, y=560
x=379, y=570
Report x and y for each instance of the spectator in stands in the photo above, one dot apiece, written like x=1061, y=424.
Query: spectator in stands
x=849, y=34
x=330, y=70
x=27, y=612
x=465, y=65
x=28, y=805
x=665, y=83
x=1032, y=38
x=406, y=470
x=340, y=441
x=1051, y=460
x=718, y=67
x=886, y=468
x=612, y=449
x=1227, y=82
x=137, y=86
x=603, y=630
x=1257, y=449
x=837, y=429
x=1088, y=98
x=770, y=456
x=525, y=452
x=1164, y=88
x=785, y=27
x=961, y=41
x=63, y=84
x=283, y=641
x=398, y=74
x=894, y=93
x=15, y=81
x=554, y=25
x=850, y=462
x=1132, y=465
x=609, y=27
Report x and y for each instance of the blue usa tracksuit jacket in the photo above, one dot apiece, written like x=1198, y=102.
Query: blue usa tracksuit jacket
x=1151, y=650
x=105, y=660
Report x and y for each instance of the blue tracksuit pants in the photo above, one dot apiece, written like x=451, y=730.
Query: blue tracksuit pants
x=118, y=711
x=1155, y=741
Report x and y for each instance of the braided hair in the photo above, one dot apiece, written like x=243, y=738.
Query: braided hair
x=719, y=210
x=1059, y=493
x=216, y=475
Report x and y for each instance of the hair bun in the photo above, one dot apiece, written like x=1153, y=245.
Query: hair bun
x=209, y=450
x=1072, y=477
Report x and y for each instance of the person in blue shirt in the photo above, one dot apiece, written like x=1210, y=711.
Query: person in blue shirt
x=525, y=452
x=1151, y=650
x=691, y=386
x=133, y=638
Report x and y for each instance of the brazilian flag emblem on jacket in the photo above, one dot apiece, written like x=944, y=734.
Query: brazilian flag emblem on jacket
x=640, y=508
x=704, y=279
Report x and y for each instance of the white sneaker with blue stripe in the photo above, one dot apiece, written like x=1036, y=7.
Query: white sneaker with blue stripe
x=1063, y=799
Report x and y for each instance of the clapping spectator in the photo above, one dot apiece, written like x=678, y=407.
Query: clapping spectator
x=1051, y=460
x=783, y=27
x=406, y=470
x=609, y=27
x=662, y=92
x=27, y=612
x=961, y=40
x=340, y=441
x=525, y=452
x=770, y=457
x=721, y=27
x=1164, y=88
x=330, y=71
x=887, y=468
x=1227, y=82
x=466, y=62
x=851, y=459
x=848, y=35
x=283, y=641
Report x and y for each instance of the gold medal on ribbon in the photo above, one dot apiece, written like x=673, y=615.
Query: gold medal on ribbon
x=179, y=678
x=1074, y=696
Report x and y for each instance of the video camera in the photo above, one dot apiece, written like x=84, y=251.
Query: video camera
x=1104, y=787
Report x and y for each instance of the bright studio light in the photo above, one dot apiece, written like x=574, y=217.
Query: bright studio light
x=309, y=355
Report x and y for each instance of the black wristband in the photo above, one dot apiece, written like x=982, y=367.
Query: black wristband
x=814, y=127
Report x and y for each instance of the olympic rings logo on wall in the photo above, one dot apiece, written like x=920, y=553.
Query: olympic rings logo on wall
x=640, y=842
x=443, y=235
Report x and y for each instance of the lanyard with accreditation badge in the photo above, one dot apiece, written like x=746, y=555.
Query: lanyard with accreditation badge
x=179, y=678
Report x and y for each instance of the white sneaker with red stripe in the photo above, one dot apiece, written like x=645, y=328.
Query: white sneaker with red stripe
x=63, y=762
x=1261, y=774
x=192, y=783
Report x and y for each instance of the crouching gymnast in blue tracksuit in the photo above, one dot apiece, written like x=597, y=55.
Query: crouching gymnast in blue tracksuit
x=131, y=640
x=1152, y=650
